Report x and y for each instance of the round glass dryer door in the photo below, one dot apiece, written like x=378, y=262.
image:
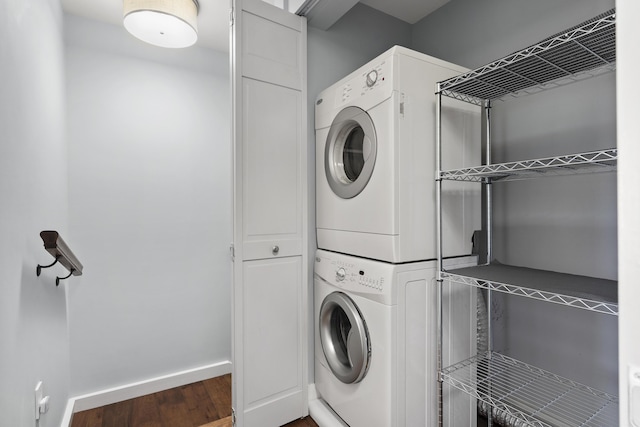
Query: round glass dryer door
x=344, y=338
x=350, y=152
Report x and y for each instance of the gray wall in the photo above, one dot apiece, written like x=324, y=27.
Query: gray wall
x=149, y=206
x=565, y=224
x=33, y=194
x=359, y=36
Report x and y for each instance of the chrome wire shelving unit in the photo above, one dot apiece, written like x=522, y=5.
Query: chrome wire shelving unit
x=508, y=388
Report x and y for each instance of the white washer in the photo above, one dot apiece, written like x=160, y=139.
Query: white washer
x=375, y=161
x=375, y=354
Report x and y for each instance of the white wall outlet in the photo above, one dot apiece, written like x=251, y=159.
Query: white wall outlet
x=41, y=401
x=634, y=396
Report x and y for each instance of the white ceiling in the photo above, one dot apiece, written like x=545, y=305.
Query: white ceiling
x=213, y=18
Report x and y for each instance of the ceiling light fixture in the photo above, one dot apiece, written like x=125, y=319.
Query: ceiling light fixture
x=164, y=23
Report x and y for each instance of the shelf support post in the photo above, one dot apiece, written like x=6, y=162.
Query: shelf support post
x=488, y=186
x=439, y=326
x=489, y=237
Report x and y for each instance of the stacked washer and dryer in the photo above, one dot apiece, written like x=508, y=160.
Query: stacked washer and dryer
x=375, y=270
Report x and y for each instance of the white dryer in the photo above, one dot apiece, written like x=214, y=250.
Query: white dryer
x=375, y=161
x=375, y=354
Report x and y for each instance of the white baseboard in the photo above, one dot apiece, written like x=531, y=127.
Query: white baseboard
x=141, y=388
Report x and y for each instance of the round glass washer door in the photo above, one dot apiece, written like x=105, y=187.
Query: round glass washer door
x=350, y=152
x=345, y=338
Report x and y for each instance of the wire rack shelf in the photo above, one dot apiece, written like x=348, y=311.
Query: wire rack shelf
x=587, y=293
x=534, y=396
x=572, y=164
x=581, y=52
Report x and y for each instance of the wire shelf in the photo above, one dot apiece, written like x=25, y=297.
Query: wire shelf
x=536, y=397
x=581, y=52
x=573, y=164
x=587, y=293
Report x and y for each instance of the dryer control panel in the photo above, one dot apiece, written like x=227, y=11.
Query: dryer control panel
x=369, y=80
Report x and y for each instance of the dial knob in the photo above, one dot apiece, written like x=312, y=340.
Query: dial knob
x=341, y=274
x=372, y=78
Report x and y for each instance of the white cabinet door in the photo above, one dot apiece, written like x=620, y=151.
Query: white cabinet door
x=271, y=175
x=273, y=340
x=268, y=54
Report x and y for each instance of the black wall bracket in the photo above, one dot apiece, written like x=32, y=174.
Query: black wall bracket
x=56, y=246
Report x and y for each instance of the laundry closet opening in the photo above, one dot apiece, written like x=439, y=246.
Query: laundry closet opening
x=149, y=207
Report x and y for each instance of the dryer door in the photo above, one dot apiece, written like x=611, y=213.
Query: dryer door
x=350, y=152
x=345, y=338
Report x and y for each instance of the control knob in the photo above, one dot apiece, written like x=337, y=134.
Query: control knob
x=372, y=78
x=341, y=274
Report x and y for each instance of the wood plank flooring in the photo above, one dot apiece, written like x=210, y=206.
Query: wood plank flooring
x=201, y=404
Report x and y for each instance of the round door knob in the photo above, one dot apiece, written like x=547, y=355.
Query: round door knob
x=275, y=250
x=341, y=274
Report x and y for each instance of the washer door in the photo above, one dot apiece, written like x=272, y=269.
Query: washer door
x=350, y=152
x=345, y=338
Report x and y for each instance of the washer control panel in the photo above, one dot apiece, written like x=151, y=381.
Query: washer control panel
x=374, y=282
x=357, y=275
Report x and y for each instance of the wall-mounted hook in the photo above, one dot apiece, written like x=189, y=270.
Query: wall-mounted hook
x=62, y=278
x=40, y=267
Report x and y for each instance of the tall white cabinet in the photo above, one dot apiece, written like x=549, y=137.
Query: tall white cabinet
x=510, y=390
x=269, y=341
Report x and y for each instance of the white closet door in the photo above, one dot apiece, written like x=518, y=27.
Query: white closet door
x=268, y=54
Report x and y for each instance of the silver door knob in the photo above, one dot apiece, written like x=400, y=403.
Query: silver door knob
x=275, y=250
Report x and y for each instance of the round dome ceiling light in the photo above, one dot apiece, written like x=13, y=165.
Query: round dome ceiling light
x=164, y=23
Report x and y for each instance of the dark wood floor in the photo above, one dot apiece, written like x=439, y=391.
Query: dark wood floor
x=201, y=404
